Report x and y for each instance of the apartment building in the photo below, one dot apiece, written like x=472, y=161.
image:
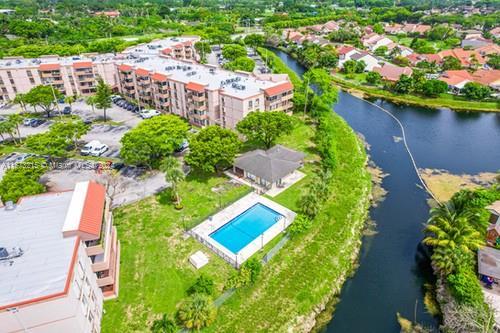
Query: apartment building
x=78, y=75
x=163, y=75
x=59, y=259
x=203, y=94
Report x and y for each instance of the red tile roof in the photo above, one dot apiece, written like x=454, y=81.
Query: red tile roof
x=166, y=51
x=195, y=87
x=141, y=72
x=159, y=77
x=392, y=72
x=82, y=64
x=49, y=67
x=125, y=68
x=455, y=77
x=93, y=209
x=487, y=77
x=280, y=88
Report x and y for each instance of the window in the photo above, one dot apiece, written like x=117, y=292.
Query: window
x=32, y=80
x=250, y=104
x=28, y=72
x=9, y=74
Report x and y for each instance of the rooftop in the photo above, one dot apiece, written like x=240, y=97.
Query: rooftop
x=35, y=227
x=272, y=164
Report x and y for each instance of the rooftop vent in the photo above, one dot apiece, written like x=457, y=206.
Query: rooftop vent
x=7, y=255
x=9, y=205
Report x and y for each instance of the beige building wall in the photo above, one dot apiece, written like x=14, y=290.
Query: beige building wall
x=79, y=311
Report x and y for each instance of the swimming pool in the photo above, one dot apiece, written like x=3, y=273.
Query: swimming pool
x=244, y=228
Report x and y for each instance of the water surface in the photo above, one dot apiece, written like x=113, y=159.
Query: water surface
x=392, y=267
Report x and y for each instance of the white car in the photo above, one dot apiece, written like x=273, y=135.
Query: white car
x=94, y=148
x=148, y=113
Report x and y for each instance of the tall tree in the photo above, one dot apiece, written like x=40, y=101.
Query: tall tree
x=43, y=96
x=152, y=140
x=265, y=127
x=213, y=148
x=71, y=130
x=21, y=100
x=103, y=96
x=174, y=176
x=23, y=179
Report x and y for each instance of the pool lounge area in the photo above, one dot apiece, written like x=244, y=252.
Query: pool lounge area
x=243, y=228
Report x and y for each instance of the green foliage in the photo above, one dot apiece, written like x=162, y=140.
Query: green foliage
x=202, y=48
x=494, y=61
x=103, y=96
x=242, y=63
x=422, y=46
x=439, y=32
x=318, y=191
x=152, y=140
x=451, y=63
x=434, y=87
x=49, y=143
x=174, y=175
x=476, y=91
x=404, y=85
x=203, y=285
x=464, y=286
x=247, y=275
x=44, y=97
x=373, y=78
x=164, y=325
x=265, y=127
x=233, y=51
x=22, y=180
x=196, y=312
x=70, y=130
x=381, y=51
x=213, y=148
x=300, y=225
x=349, y=67
x=254, y=40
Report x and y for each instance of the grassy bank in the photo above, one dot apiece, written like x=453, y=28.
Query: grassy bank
x=155, y=273
x=310, y=270
x=456, y=103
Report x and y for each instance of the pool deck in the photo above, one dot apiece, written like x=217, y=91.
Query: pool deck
x=202, y=231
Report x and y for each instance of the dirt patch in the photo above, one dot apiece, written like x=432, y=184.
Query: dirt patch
x=444, y=184
x=378, y=175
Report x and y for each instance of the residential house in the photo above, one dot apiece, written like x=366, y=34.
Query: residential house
x=467, y=58
x=495, y=32
x=370, y=60
x=268, y=168
x=493, y=231
x=415, y=58
x=456, y=79
x=374, y=41
x=390, y=72
x=474, y=42
x=111, y=14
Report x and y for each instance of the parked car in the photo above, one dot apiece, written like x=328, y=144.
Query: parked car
x=94, y=148
x=27, y=121
x=35, y=122
x=23, y=157
x=67, y=110
x=148, y=113
x=183, y=147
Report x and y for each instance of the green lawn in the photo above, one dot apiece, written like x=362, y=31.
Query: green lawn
x=155, y=272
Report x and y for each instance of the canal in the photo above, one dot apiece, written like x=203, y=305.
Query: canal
x=392, y=268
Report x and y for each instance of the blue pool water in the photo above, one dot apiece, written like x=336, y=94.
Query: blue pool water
x=244, y=228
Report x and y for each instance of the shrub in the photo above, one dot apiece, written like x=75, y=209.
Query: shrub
x=197, y=312
x=248, y=274
x=203, y=285
x=301, y=224
x=22, y=180
x=464, y=286
x=164, y=325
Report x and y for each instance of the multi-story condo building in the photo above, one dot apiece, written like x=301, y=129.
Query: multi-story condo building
x=78, y=75
x=162, y=75
x=59, y=259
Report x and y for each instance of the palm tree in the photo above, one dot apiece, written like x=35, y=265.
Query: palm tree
x=452, y=237
x=197, y=312
x=173, y=175
x=103, y=96
x=70, y=100
x=90, y=100
x=16, y=120
x=164, y=325
x=21, y=100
